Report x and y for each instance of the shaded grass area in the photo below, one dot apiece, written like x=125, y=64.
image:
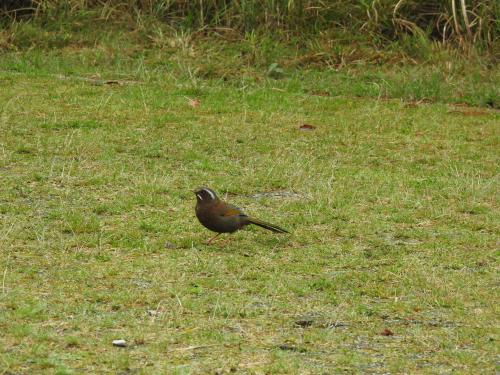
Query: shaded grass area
x=394, y=215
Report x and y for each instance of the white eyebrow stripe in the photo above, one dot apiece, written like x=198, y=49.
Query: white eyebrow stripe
x=212, y=195
x=199, y=196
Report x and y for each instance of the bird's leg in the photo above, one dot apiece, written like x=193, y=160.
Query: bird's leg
x=213, y=238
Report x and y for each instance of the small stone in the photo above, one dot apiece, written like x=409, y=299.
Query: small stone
x=120, y=343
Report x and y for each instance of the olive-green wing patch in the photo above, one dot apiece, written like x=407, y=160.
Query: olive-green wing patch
x=232, y=212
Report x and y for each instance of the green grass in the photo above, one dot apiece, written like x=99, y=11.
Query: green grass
x=394, y=217
x=334, y=64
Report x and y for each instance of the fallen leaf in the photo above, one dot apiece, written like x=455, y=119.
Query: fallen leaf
x=307, y=127
x=193, y=102
x=387, y=332
x=319, y=93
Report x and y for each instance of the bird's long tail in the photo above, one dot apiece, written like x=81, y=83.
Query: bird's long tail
x=268, y=226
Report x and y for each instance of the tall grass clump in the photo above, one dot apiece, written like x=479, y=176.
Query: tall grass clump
x=463, y=23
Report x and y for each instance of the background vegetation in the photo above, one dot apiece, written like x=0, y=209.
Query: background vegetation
x=459, y=21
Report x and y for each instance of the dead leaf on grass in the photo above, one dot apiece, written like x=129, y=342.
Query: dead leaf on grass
x=193, y=102
x=387, y=332
x=319, y=93
x=307, y=127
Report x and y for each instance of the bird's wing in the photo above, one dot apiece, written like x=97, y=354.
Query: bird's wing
x=232, y=211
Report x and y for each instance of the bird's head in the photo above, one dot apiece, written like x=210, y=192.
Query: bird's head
x=205, y=195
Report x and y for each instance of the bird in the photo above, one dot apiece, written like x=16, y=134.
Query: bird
x=221, y=217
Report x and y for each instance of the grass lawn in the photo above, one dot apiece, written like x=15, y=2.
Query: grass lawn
x=391, y=266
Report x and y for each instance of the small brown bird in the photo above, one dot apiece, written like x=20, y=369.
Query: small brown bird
x=222, y=217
